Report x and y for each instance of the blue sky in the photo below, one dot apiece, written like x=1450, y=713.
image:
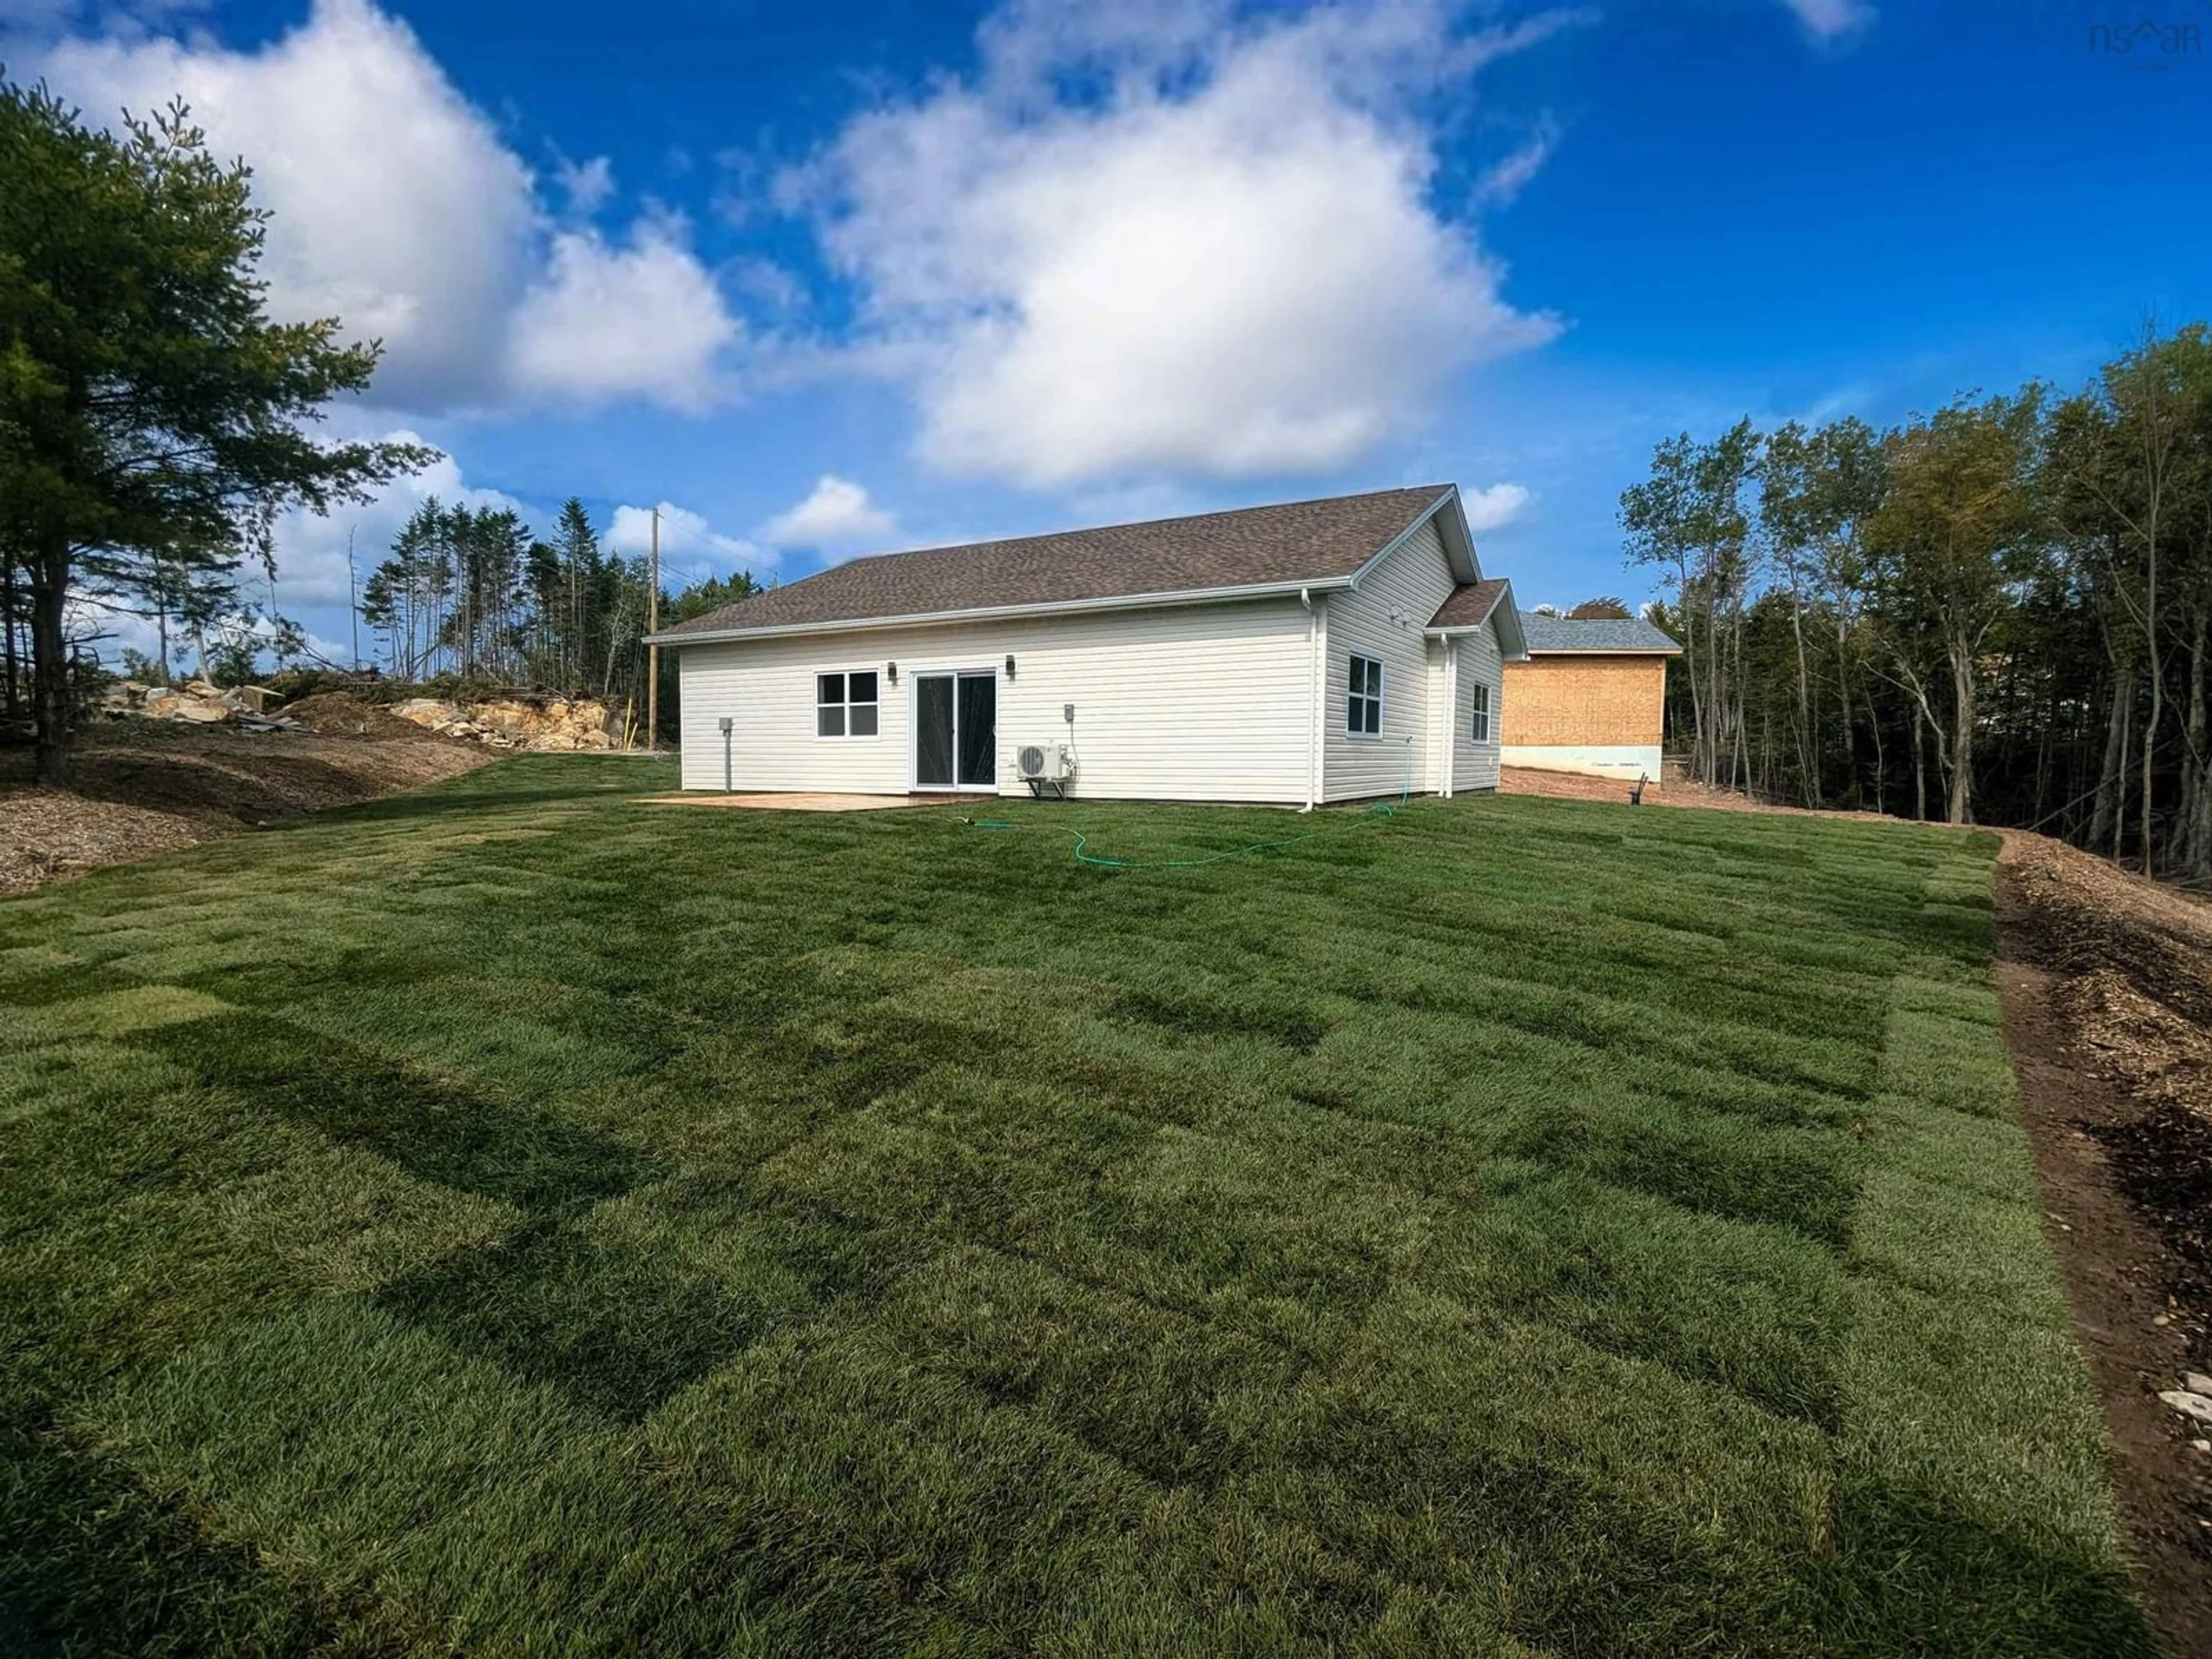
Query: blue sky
x=849, y=277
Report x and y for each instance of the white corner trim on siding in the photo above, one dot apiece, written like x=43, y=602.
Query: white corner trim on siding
x=1316, y=691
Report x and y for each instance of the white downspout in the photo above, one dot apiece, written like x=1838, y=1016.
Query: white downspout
x=1451, y=710
x=1313, y=700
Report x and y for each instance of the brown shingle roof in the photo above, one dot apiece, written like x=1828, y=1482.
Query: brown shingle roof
x=1469, y=605
x=1297, y=542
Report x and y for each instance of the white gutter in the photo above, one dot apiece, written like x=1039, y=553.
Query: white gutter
x=1011, y=612
x=1449, y=635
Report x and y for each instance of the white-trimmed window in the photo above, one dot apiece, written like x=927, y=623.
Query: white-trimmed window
x=1480, y=728
x=1363, y=702
x=845, y=704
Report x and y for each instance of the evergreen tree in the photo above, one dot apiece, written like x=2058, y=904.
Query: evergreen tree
x=152, y=419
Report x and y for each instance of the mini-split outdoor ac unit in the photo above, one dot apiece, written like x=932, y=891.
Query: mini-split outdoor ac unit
x=1046, y=767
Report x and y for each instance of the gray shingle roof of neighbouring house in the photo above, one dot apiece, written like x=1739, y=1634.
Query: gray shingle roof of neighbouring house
x=1322, y=542
x=1609, y=636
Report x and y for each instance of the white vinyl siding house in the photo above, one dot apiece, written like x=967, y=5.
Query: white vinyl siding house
x=1383, y=619
x=1223, y=673
x=1202, y=702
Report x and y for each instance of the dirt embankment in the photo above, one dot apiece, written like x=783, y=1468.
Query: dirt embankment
x=2107, y=989
x=146, y=786
x=1581, y=785
x=1674, y=792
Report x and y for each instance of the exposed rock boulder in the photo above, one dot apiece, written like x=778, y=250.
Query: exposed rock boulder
x=432, y=713
x=2189, y=1404
x=539, y=725
x=194, y=700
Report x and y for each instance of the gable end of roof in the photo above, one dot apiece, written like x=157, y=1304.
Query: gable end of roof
x=1469, y=605
x=1474, y=606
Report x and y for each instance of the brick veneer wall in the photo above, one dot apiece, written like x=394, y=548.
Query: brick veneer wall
x=1584, y=700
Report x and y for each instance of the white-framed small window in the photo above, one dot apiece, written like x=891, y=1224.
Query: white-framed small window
x=1479, y=726
x=1363, y=702
x=845, y=704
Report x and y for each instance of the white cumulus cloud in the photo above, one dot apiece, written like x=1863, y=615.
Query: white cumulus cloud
x=605, y=321
x=1221, y=257
x=399, y=207
x=690, y=547
x=1499, y=504
x=1831, y=20
x=835, y=514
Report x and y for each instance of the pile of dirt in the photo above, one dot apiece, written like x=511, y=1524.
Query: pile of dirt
x=335, y=715
x=2146, y=945
x=145, y=786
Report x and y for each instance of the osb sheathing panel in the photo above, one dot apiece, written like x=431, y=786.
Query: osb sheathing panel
x=1584, y=700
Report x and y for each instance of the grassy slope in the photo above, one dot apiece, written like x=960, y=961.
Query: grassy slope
x=512, y=1217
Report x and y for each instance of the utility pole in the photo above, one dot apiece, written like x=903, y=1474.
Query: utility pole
x=652, y=652
x=353, y=599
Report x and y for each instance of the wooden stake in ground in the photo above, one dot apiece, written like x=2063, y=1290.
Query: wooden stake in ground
x=652, y=652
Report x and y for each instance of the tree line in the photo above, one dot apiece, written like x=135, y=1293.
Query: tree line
x=474, y=593
x=1999, y=612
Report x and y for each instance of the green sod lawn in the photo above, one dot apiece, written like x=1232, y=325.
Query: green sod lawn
x=514, y=1218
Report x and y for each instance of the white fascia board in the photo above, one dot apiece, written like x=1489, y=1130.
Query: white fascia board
x=1014, y=612
x=1450, y=496
x=1458, y=538
x=1512, y=638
